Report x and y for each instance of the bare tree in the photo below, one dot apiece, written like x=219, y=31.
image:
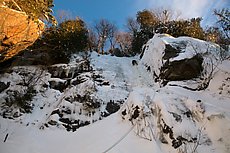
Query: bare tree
x=224, y=20
x=111, y=36
x=132, y=25
x=105, y=30
x=124, y=40
x=92, y=40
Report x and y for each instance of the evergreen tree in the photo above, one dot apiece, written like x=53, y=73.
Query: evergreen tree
x=60, y=42
x=147, y=22
x=73, y=35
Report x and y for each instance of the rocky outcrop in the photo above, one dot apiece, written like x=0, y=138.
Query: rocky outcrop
x=58, y=84
x=184, y=69
x=17, y=32
x=69, y=70
x=176, y=59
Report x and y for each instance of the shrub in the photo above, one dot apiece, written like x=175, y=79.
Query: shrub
x=20, y=100
x=70, y=36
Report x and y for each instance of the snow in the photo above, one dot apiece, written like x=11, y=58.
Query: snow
x=154, y=53
x=209, y=110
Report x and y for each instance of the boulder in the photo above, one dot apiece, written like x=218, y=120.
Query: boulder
x=185, y=69
x=177, y=59
x=58, y=84
x=17, y=32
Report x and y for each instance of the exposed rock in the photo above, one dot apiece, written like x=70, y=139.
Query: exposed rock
x=69, y=70
x=176, y=59
x=185, y=69
x=78, y=80
x=4, y=86
x=112, y=107
x=52, y=122
x=104, y=83
x=18, y=31
x=134, y=62
x=58, y=84
x=171, y=51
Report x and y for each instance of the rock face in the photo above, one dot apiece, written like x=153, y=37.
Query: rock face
x=17, y=32
x=64, y=71
x=185, y=69
x=176, y=59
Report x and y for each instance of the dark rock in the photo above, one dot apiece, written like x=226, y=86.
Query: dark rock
x=58, y=85
x=105, y=83
x=77, y=81
x=185, y=69
x=176, y=143
x=136, y=113
x=4, y=86
x=73, y=124
x=69, y=99
x=65, y=120
x=57, y=111
x=149, y=69
x=16, y=115
x=121, y=101
x=112, y=107
x=134, y=62
x=177, y=117
x=45, y=85
x=199, y=101
x=67, y=126
x=188, y=113
x=171, y=51
x=99, y=80
x=96, y=76
x=167, y=130
x=75, y=127
x=46, y=125
x=60, y=71
x=66, y=111
x=124, y=112
x=76, y=122
x=52, y=122
x=84, y=123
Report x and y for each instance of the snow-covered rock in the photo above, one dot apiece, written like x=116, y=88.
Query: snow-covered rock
x=117, y=107
x=175, y=59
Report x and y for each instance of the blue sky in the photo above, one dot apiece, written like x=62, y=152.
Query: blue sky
x=118, y=11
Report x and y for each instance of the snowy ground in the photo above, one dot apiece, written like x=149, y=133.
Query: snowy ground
x=203, y=116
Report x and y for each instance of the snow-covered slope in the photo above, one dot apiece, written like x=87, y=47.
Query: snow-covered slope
x=150, y=118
